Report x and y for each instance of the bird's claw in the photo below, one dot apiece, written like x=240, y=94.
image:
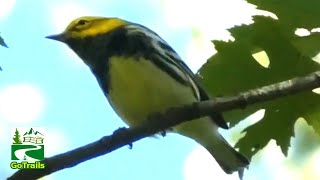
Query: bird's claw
x=163, y=133
x=121, y=131
x=130, y=145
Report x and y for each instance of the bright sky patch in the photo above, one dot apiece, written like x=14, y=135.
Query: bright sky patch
x=6, y=7
x=20, y=103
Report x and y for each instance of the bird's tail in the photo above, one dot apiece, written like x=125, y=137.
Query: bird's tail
x=227, y=157
x=205, y=133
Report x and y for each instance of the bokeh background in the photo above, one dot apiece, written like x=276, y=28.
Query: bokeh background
x=44, y=84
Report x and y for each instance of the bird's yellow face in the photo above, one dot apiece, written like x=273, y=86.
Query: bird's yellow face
x=88, y=26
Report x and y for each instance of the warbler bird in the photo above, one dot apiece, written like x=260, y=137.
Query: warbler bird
x=140, y=74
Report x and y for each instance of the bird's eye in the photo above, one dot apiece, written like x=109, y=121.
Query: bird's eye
x=82, y=22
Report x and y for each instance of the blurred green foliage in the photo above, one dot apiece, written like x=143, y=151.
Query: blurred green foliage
x=2, y=43
x=234, y=69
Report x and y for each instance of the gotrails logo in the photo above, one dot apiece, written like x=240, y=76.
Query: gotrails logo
x=27, y=151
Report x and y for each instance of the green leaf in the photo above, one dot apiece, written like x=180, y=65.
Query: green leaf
x=309, y=45
x=233, y=69
x=293, y=13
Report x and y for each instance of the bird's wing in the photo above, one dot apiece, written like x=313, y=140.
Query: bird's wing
x=173, y=65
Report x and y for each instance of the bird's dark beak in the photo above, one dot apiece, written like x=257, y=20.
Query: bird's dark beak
x=58, y=37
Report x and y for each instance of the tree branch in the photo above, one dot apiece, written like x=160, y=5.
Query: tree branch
x=174, y=116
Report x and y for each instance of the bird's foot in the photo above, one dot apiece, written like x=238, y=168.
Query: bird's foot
x=121, y=132
x=163, y=133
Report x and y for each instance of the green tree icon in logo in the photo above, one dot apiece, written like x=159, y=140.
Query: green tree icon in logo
x=16, y=138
